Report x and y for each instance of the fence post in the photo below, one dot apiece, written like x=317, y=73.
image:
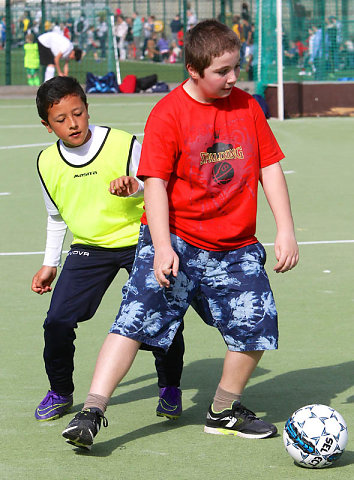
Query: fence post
x=43, y=18
x=8, y=44
x=222, y=11
x=185, y=7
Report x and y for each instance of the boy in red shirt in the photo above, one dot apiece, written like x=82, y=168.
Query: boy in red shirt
x=206, y=146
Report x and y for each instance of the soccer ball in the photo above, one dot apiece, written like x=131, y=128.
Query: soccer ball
x=315, y=436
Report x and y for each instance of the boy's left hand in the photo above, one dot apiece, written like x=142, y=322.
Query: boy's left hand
x=123, y=186
x=286, y=252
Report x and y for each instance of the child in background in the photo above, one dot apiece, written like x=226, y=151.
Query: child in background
x=92, y=46
x=31, y=60
x=206, y=147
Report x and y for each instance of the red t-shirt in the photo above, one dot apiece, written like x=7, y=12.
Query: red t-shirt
x=211, y=155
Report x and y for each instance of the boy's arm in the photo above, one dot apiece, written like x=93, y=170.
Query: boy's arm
x=166, y=260
x=57, y=64
x=56, y=230
x=66, y=68
x=127, y=186
x=276, y=192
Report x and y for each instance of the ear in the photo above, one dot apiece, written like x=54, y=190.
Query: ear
x=192, y=72
x=47, y=126
x=88, y=115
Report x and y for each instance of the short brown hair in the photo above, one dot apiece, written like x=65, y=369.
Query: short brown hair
x=207, y=40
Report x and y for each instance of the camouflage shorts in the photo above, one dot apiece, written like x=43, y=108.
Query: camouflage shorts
x=229, y=290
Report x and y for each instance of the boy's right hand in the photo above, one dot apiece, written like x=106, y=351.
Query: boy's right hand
x=166, y=261
x=41, y=282
x=123, y=186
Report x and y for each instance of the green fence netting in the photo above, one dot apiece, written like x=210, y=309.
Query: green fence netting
x=317, y=41
x=318, y=36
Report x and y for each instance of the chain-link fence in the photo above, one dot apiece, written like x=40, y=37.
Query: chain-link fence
x=318, y=36
x=81, y=21
x=318, y=41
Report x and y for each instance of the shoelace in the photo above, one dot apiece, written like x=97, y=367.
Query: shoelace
x=52, y=396
x=243, y=411
x=104, y=421
x=98, y=414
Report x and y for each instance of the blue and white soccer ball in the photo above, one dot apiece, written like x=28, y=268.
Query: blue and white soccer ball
x=315, y=436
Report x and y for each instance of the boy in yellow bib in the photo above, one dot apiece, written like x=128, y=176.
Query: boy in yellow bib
x=31, y=60
x=75, y=174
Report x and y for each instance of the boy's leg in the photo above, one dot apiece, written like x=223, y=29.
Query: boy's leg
x=237, y=370
x=169, y=366
x=226, y=415
x=73, y=301
x=147, y=314
x=242, y=308
x=113, y=362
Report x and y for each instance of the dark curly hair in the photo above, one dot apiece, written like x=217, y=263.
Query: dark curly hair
x=53, y=90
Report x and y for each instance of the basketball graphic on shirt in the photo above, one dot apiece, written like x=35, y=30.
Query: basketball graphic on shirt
x=223, y=173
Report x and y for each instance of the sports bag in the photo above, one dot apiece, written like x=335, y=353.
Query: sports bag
x=105, y=84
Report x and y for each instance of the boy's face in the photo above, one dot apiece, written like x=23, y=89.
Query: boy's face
x=69, y=120
x=218, y=79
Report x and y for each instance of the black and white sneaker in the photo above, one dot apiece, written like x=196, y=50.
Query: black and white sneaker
x=238, y=421
x=84, y=427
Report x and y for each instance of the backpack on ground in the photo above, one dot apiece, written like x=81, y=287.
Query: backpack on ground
x=105, y=84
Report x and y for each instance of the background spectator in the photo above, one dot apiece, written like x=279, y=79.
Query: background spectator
x=121, y=31
x=191, y=19
x=175, y=25
x=137, y=31
x=102, y=33
x=148, y=31
x=80, y=28
x=163, y=47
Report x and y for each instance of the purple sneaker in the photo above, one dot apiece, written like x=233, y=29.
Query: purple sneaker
x=170, y=403
x=53, y=406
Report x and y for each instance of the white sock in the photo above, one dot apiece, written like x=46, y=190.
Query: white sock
x=49, y=72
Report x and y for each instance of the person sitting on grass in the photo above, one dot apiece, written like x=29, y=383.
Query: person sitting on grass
x=206, y=146
x=75, y=173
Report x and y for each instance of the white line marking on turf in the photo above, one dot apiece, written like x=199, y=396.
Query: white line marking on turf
x=321, y=242
x=288, y=172
x=9, y=254
x=27, y=145
x=2, y=194
x=154, y=453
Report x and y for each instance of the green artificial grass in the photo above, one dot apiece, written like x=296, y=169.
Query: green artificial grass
x=314, y=363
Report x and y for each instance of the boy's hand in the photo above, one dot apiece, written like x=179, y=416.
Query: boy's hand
x=286, y=252
x=166, y=261
x=123, y=186
x=41, y=282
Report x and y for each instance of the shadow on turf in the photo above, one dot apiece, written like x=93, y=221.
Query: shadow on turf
x=277, y=397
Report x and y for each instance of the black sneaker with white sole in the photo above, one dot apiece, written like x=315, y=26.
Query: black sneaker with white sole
x=84, y=427
x=238, y=420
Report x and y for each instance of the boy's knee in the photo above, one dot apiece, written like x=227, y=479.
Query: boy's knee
x=58, y=322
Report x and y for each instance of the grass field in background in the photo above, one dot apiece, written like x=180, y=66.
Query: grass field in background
x=170, y=73
x=314, y=363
